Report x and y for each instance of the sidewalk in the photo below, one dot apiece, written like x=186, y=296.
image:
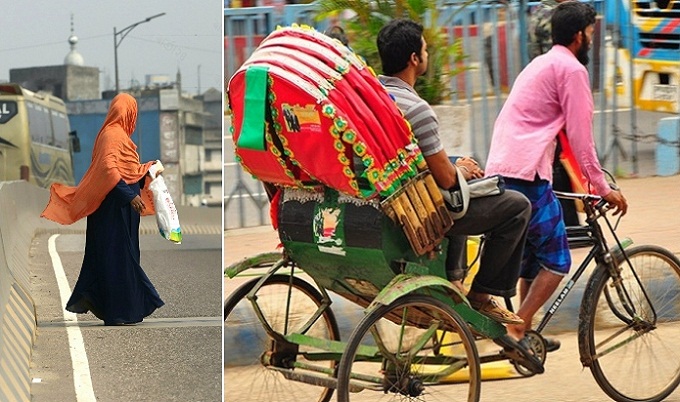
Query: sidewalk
x=653, y=218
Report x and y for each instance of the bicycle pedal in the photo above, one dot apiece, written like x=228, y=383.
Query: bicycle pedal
x=522, y=354
x=530, y=363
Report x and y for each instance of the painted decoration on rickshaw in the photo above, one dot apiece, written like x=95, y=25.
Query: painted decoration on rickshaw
x=328, y=228
x=327, y=119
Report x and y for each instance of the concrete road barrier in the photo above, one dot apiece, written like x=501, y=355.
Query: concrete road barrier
x=20, y=207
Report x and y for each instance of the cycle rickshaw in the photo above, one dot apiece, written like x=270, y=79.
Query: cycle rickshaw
x=418, y=330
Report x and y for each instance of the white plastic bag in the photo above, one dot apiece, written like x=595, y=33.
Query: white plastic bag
x=166, y=213
x=156, y=169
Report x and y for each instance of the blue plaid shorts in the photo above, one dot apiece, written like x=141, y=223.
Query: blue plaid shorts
x=547, y=244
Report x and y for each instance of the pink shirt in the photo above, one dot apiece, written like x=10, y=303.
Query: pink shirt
x=552, y=92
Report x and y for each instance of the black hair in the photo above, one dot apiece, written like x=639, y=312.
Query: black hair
x=397, y=41
x=568, y=19
x=336, y=32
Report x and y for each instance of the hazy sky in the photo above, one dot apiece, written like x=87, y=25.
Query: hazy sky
x=35, y=33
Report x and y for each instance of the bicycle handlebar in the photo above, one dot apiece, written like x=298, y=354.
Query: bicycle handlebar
x=596, y=201
x=579, y=196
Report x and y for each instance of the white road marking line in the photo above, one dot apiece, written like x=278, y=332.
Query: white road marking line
x=82, y=380
x=168, y=322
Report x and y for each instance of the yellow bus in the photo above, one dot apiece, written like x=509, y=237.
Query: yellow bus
x=35, y=137
x=649, y=39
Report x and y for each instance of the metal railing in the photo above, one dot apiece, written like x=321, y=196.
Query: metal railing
x=493, y=35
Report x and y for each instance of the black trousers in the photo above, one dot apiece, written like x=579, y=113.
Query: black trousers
x=503, y=220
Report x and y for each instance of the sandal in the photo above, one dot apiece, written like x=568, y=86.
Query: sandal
x=521, y=352
x=493, y=310
x=551, y=344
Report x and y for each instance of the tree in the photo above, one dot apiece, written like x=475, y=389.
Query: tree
x=369, y=16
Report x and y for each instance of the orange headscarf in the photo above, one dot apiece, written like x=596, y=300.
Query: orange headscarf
x=114, y=157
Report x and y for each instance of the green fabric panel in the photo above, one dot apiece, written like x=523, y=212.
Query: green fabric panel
x=252, y=131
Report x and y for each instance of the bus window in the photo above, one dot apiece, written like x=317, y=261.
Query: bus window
x=61, y=129
x=39, y=124
x=37, y=127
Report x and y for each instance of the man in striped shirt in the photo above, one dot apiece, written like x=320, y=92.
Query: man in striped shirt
x=502, y=219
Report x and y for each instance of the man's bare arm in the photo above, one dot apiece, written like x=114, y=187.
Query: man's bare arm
x=444, y=172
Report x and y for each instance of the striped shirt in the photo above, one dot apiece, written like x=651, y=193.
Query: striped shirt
x=418, y=113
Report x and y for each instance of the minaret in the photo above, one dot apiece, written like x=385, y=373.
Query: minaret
x=73, y=58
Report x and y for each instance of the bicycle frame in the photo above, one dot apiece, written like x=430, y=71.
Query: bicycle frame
x=252, y=297
x=595, y=208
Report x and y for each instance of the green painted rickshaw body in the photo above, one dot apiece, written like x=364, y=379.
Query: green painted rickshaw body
x=378, y=273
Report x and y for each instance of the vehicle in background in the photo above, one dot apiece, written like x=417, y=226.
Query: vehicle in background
x=646, y=34
x=36, y=143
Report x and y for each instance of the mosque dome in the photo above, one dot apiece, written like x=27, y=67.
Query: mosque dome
x=73, y=58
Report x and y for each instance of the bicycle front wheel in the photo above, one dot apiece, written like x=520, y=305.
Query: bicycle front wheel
x=255, y=367
x=629, y=333
x=406, y=350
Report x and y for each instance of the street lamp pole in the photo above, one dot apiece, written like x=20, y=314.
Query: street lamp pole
x=116, y=42
x=199, y=79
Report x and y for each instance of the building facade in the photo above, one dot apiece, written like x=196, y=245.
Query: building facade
x=172, y=126
x=212, y=141
x=68, y=82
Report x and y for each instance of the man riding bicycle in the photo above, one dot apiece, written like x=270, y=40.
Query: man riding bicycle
x=552, y=93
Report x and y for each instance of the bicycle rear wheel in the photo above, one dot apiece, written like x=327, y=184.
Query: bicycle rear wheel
x=630, y=333
x=405, y=350
x=286, y=303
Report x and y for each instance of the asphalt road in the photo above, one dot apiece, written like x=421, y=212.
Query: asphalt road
x=174, y=355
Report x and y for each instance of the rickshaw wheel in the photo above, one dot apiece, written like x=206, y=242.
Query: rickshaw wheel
x=286, y=303
x=406, y=350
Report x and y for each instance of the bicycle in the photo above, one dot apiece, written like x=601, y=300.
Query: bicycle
x=625, y=320
x=630, y=311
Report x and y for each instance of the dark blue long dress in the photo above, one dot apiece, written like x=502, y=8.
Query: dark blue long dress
x=112, y=284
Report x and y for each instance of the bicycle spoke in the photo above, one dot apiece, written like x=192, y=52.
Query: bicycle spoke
x=415, y=338
x=633, y=326
x=619, y=344
x=285, y=305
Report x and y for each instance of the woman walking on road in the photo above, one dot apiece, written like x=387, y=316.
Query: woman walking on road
x=111, y=284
